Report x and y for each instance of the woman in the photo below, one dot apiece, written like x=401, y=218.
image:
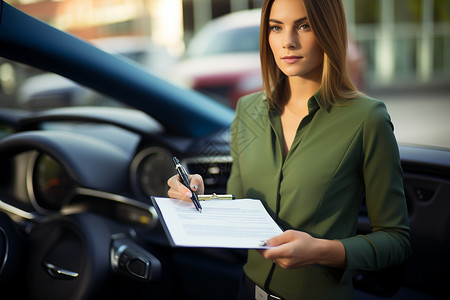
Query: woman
x=312, y=147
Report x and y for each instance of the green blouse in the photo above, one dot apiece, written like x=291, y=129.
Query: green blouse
x=339, y=156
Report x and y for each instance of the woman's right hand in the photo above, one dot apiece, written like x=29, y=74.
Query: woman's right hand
x=177, y=190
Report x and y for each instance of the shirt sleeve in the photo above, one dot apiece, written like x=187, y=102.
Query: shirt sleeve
x=388, y=243
x=234, y=184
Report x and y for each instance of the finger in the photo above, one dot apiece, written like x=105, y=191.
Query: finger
x=280, y=239
x=174, y=194
x=280, y=245
x=276, y=252
x=195, y=180
x=172, y=181
x=197, y=184
x=177, y=189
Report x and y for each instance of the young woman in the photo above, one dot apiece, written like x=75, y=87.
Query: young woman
x=312, y=148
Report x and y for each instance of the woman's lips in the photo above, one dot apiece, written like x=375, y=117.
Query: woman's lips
x=291, y=59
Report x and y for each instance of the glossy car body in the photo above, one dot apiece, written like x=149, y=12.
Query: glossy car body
x=75, y=218
x=222, y=59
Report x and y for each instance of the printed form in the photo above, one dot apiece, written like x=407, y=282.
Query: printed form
x=240, y=223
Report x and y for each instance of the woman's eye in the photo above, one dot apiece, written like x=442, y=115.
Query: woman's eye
x=275, y=28
x=304, y=27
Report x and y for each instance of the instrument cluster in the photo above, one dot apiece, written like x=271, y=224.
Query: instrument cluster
x=149, y=171
x=49, y=186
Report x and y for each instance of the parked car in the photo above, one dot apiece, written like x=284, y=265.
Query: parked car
x=222, y=58
x=75, y=217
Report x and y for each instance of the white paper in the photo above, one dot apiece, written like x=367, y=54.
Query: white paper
x=241, y=223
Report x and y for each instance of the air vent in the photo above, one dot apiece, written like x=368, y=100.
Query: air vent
x=214, y=170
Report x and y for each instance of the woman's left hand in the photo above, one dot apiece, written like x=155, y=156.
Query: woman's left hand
x=294, y=249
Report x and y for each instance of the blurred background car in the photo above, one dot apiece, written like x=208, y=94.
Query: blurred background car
x=222, y=59
x=47, y=90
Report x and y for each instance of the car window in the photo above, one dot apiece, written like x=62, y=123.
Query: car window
x=210, y=41
x=29, y=88
x=34, y=89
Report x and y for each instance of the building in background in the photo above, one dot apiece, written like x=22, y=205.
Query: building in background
x=405, y=41
x=199, y=12
x=161, y=20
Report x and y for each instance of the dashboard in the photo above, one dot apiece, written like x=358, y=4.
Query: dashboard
x=100, y=163
x=82, y=177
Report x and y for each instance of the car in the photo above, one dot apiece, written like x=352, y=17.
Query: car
x=76, y=221
x=222, y=58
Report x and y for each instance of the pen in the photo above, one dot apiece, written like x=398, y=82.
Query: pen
x=184, y=178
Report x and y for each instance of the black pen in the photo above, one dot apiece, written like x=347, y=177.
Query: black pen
x=184, y=178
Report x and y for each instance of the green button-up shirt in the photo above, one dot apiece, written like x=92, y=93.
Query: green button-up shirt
x=339, y=156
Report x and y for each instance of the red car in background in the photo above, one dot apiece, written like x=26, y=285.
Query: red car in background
x=222, y=59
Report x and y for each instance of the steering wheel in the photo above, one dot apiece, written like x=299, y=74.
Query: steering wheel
x=75, y=256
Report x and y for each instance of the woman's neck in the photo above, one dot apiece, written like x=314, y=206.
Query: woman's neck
x=300, y=90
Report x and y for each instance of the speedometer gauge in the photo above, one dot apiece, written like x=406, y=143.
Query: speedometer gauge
x=150, y=170
x=48, y=183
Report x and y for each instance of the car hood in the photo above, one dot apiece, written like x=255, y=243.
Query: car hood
x=224, y=64
x=182, y=111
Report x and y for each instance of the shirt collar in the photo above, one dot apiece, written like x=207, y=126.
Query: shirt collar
x=313, y=103
x=318, y=104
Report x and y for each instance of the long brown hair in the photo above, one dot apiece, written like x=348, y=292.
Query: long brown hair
x=327, y=20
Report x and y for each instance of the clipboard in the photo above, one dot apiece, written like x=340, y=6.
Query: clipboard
x=223, y=223
x=214, y=196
